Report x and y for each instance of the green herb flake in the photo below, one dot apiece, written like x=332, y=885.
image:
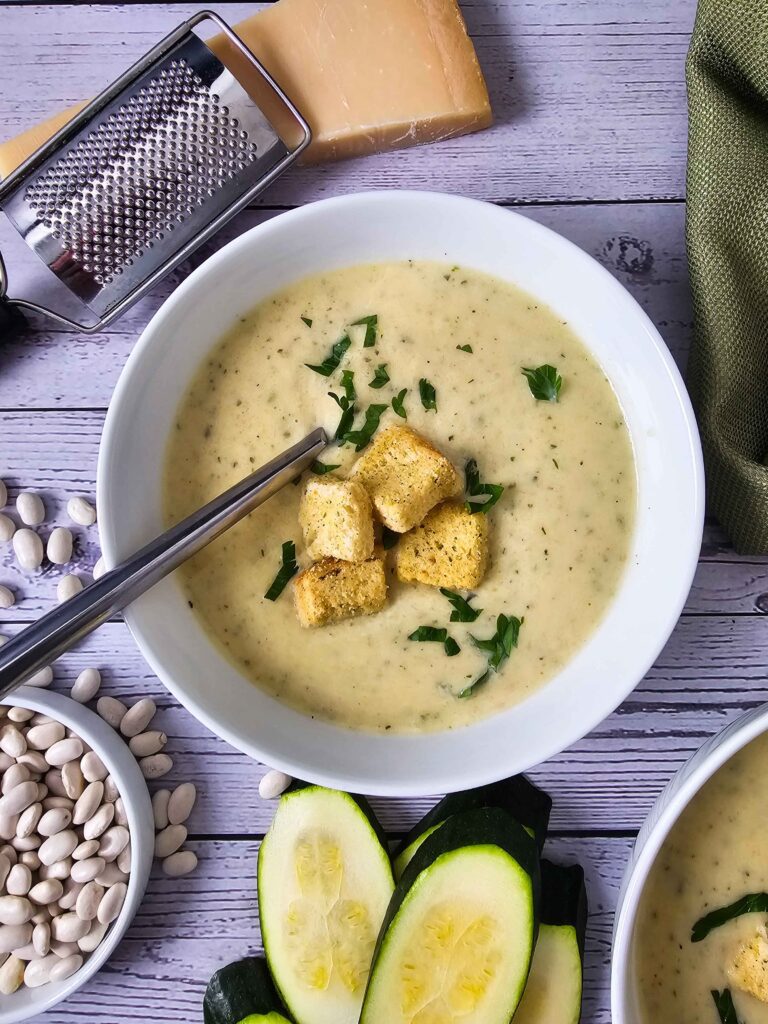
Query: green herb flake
x=321, y=468
x=726, y=1011
x=545, y=382
x=498, y=648
x=371, y=324
x=397, y=404
x=388, y=538
x=477, y=489
x=428, y=394
x=451, y=647
x=307, y=321
x=348, y=383
x=360, y=438
x=469, y=691
x=462, y=610
x=429, y=634
x=380, y=378
x=465, y=348
x=287, y=571
x=348, y=411
x=752, y=903
x=331, y=362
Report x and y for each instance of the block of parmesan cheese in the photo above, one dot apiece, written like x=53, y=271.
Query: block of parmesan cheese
x=367, y=74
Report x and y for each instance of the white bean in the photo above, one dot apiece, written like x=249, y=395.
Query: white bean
x=16, y=773
x=112, y=903
x=160, y=802
x=5, y=761
x=28, y=548
x=8, y=825
x=55, y=783
x=19, y=880
x=66, y=967
x=9, y=853
x=81, y=511
x=90, y=941
x=63, y=949
x=19, y=715
x=72, y=780
x=69, y=749
x=12, y=936
x=169, y=840
x=41, y=938
x=124, y=859
x=60, y=870
x=92, y=767
x=121, y=817
x=59, y=548
x=100, y=821
x=7, y=597
x=273, y=784
x=12, y=740
x=155, y=766
x=88, y=900
x=44, y=677
x=19, y=799
x=111, y=875
x=86, y=685
x=53, y=821
x=114, y=841
x=30, y=859
x=99, y=569
x=26, y=952
x=15, y=910
x=181, y=803
x=87, y=849
x=88, y=803
x=52, y=802
x=72, y=890
x=40, y=737
x=47, y=891
x=30, y=508
x=67, y=587
x=38, y=972
x=7, y=527
x=11, y=975
x=69, y=927
x=112, y=710
x=58, y=847
x=147, y=743
x=138, y=717
x=5, y=869
x=87, y=870
x=34, y=760
x=28, y=820
x=179, y=864
x=111, y=792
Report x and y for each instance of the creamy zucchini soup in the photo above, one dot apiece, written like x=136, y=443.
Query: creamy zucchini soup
x=714, y=856
x=417, y=596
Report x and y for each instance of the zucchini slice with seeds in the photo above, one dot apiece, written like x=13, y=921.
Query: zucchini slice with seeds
x=458, y=938
x=243, y=993
x=324, y=882
x=553, y=992
x=525, y=802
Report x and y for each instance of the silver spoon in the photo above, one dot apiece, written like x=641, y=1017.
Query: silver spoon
x=42, y=642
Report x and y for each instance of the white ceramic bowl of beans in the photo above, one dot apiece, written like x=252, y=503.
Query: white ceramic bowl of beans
x=122, y=766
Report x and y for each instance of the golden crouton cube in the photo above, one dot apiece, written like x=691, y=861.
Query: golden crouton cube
x=749, y=970
x=448, y=549
x=405, y=477
x=331, y=589
x=337, y=519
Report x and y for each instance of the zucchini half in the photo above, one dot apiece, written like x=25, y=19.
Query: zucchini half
x=324, y=882
x=526, y=803
x=458, y=937
x=243, y=993
x=553, y=992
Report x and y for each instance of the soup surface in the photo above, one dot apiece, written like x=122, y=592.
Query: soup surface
x=714, y=855
x=559, y=536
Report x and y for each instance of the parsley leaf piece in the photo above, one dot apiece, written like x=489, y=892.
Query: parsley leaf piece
x=545, y=382
x=307, y=321
x=287, y=570
x=751, y=903
x=726, y=1011
x=500, y=645
x=476, y=489
x=462, y=610
x=428, y=634
x=428, y=394
x=470, y=690
x=348, y=411
x=397, y=403
x=371, y=324
x=388, y=538
x=360, y=438
x=465, y=348
x=380, y=378
x=451, y=647
x=348, y=383
x=321, y=468
x=331, y=362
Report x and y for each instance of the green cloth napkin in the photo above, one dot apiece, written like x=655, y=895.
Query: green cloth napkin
x=727, y=238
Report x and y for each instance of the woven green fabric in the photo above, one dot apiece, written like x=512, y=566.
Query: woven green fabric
x=727, y=238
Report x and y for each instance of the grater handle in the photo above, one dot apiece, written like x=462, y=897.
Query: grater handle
x=42, y=642
x=12, y=320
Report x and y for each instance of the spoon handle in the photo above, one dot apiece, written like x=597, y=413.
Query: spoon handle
x=42, y=642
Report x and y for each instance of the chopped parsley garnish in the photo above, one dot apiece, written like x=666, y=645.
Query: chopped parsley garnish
x=726, y=1011
x=388, y=538
x=462, y=610
x=428, y=394
x=331, y=362
x=360, y=438
x=498, y=648
x=371, y=324
x=397, y=403
x=346, y=404
x=348, y=383
x=477, y=489
x=433, y=634
x=464, y=348
x=287, y=570
x=545, y=382
x=380, y=378
x=321, y=468
x=752, y=903
x=468, y=691
x=307, y=321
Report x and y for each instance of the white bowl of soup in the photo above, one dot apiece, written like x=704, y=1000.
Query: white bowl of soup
x=701, y=849
x=592, y=545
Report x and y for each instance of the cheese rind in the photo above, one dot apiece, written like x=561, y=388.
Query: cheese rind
x=368, y=75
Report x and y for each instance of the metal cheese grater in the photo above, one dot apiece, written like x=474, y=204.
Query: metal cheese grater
x=144, y=175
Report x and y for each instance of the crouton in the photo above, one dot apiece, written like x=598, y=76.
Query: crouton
x=332, y=589
x=337, y=519
x=405, y=477
x=749, y=970
x=448, y=549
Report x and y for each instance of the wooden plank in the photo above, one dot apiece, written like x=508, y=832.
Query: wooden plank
x=589, y=97
x=712, y=670
x=188, y=927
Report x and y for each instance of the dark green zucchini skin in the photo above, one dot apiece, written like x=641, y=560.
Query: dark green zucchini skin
x=361, y=802
x=479, y=827
x=518, y=796
x=564, y=898
x=240, y=989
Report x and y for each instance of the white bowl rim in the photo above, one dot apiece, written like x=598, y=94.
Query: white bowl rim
x=558, y=740
x=100, y=736
x=687, y=781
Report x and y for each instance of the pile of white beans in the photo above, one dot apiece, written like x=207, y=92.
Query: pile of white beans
x=65, y=865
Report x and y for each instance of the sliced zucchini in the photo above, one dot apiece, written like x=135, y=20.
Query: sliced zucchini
x=324, y=882
x=457, y=941
x=553, y=992
x=525, y=802
x=243, y=992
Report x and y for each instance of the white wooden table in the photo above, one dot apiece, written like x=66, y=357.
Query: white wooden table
x=590, y=139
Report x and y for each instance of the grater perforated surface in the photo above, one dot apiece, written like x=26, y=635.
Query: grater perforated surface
x=141, y=172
